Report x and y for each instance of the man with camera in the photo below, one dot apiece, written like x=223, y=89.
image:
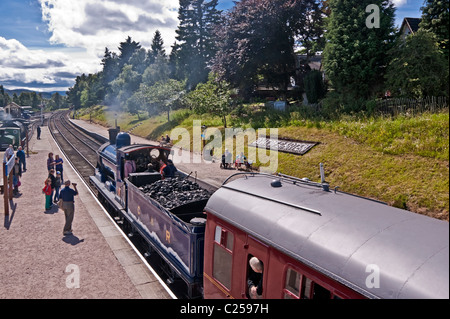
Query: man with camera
x=68, y=205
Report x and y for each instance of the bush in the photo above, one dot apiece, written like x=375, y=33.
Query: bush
x=314, y=86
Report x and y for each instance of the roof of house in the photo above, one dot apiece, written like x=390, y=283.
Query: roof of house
x=411, y=23
x=13, y=105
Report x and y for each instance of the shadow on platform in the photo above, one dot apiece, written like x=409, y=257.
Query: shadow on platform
x=9, y=218
x=52, y=210
x=72, y=240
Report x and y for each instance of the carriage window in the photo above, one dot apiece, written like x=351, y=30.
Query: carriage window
x=223, y=256
x=292, y=285
x=312, y=290
x=224, y=238
x=320, y=292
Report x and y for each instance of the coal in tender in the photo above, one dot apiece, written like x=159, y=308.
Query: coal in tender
x=174, y=192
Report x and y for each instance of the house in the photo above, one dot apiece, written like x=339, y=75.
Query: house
x=409, y=26
x=13, y=109
x=303, y=64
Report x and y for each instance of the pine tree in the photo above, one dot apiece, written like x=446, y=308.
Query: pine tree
x=111, y=68
x=435, y=18
x=195, y=44
x=127, y=50
x=355, y=56
x=157, y=47
x=4, y=97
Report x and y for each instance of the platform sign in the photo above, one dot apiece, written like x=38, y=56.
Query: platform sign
x=7, y=181
x=284, y=145
x=9, y=165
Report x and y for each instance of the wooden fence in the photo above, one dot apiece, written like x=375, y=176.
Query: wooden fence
x=397, y=106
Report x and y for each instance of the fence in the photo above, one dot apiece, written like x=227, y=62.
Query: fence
x=411, y=106
x=394, y=106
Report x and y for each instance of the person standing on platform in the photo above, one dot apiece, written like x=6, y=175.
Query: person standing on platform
x=50, y=161
x=17, y=174
x=59, y=166
x=8, y=153
x=57, y=187
x=47, y=191
x=38, y=130
x=67, y=195
x=51, y=176
x=22, y=159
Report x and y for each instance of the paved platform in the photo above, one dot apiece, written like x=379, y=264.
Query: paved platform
x=38, y=262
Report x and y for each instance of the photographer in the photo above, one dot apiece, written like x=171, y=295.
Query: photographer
x=68, y=205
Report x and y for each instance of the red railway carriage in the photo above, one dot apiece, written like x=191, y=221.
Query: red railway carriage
x=319, y=244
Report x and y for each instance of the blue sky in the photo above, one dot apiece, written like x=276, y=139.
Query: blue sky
x=45, y=44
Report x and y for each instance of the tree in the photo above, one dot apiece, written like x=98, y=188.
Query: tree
x=195, y=46
x=156, y=72
x=418, y=68
x=135, y=103
x=212, y=97
x=314, y=87
x=311, y=36
x=355, y=56
x=125, y=85
x=127, y=50
x=4, y=97
x=138, y=61
x=435, y=18
x=15, y=98
x=162, y=95
x=111, y=68
x=257, y=40
x=57, y=100
x=157, y=48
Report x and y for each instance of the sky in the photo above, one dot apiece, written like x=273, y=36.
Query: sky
x=46, y=44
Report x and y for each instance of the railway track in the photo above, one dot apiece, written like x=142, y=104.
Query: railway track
x=81, y=150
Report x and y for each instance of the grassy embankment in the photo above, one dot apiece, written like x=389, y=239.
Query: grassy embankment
x=403, y=161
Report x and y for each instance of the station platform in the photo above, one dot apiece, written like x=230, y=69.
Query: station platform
x=38, y=262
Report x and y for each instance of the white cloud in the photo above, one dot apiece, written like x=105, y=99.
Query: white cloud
x=21, y=67
x=96, y=24
x=79, y=31
x=399, y=3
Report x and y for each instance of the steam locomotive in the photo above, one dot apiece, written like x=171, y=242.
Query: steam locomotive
x=313, y=242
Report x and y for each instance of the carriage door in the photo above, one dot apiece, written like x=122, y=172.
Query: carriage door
x=257, y=249
x=121, y=187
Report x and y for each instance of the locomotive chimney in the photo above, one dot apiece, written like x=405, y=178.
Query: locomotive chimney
x=113, y=135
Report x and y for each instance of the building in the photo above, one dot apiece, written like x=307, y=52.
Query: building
x=409, y=26
x=13, y=109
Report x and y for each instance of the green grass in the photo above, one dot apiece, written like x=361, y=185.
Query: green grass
x=425, y=135
x=403, y=161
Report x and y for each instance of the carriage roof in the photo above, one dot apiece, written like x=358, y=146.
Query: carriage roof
x=341, y=235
